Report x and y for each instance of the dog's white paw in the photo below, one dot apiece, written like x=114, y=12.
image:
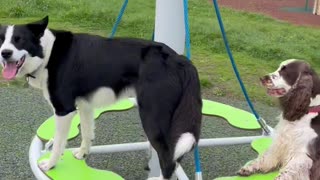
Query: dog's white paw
x=246, y=171
x=80, y=153
x=286, y=175
x=45, y=165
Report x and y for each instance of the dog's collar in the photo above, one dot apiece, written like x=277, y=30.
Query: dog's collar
x=30, y=76
x=314, y=109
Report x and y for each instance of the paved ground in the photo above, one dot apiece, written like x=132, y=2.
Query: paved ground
x=23, y=110
x=277, y=9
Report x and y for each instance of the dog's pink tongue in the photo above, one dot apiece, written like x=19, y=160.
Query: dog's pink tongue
x=9, y=71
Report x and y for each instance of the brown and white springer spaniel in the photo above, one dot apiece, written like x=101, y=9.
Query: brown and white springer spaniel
x=296, y=140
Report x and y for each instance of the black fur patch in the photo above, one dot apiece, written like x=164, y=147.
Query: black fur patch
x=3, y=30
x=23, y=38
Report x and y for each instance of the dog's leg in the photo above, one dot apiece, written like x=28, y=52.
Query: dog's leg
x=297, y=168
x=167, y=171
x=265, y=163
x=87, y=130
x=163, y=175
x=167, y=163
x=166, y=160
x=61, y=133
x=165, y=154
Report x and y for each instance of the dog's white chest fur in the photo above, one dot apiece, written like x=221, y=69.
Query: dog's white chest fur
x=41, y=75
x=293, y=137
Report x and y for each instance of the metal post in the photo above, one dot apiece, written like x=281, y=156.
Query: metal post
x=154, y=164
x=169, y=29
x=169, y=24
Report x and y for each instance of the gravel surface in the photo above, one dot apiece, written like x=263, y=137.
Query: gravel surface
x=23, y=110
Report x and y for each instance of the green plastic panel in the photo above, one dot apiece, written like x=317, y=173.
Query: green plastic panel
x=236, y=117
x=70, y=168
x=260, y=146
x=46, y=130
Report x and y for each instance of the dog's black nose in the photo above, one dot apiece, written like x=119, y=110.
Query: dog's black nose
x=6, y=53
x=265, y=78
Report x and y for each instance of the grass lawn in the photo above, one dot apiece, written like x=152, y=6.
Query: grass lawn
x=259, y=43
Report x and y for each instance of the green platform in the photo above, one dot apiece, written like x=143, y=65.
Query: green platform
x=236, y=117
x=260, y=146
x=46, y=130
x=68, y=166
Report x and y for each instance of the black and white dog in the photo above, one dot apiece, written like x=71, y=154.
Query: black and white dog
x=81, y=71
x=296, y=143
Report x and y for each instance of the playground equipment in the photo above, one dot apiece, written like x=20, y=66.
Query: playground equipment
x=316, y=7
x=172, y=28
x=307, y=8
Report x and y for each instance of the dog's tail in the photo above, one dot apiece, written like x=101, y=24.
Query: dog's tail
x=186, y=120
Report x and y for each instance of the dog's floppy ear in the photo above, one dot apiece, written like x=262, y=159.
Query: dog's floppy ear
x=38, y=27
x=154, y=49
x=298, y=99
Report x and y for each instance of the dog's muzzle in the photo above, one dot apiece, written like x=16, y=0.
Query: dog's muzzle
x=267, y=82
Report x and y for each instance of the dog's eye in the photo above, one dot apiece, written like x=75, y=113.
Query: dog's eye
x=283, y=68
x=1, y=38
x=17, y=39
